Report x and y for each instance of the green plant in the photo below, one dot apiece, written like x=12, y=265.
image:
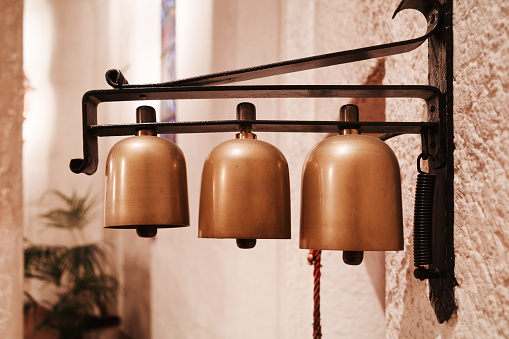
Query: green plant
x=83, y=291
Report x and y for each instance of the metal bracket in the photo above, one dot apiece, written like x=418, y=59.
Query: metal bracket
x=199, y=87
x=438, y=128
x=440, y=74
x=93, y=98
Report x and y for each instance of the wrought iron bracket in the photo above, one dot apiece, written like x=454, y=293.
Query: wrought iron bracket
x=440, y=74
x=437, y=129
x=92, y=99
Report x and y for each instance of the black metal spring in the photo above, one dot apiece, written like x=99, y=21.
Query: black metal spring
x=423, y=217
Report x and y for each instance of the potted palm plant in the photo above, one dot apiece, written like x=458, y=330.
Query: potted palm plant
x=83, y=292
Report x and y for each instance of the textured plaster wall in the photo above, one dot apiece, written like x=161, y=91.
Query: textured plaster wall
x=482, y=159
x=11, y=202
x=408, y=311
x=481, y=49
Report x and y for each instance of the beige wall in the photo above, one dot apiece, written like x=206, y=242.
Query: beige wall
x=11, y=203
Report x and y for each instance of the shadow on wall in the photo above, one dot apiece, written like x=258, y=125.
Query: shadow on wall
x=371, y=109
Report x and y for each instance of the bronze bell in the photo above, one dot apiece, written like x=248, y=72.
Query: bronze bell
x=351, y=195
x=245, y=189
x=146, y=185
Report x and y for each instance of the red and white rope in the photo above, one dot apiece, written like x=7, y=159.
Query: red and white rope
x=314, y=258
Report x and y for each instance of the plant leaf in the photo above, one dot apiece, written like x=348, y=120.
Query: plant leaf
x=75, y=212
x=43, y=263
x=83, y=261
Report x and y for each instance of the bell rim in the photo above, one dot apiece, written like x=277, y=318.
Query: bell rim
x=130, y=227
x=352, y=248
x=288, y=237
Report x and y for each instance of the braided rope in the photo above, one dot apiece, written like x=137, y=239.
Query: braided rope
x=314, y=258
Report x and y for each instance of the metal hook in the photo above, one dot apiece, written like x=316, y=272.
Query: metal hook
x=423, y=156
x=115, y=78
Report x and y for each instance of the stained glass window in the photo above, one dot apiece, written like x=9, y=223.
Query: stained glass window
x=168, y=108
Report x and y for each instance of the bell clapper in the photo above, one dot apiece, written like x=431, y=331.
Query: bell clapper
x=353, y=257
x=146, y=231
x=246, y=244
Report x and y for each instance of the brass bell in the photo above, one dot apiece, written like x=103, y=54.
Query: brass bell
x=245, y=189
x=351, y=195
x=146, y=185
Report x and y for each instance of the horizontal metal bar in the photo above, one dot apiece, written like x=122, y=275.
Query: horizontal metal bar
x=263, y=91
x=263, y=126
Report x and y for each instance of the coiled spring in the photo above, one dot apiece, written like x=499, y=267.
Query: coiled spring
x=423, y=216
